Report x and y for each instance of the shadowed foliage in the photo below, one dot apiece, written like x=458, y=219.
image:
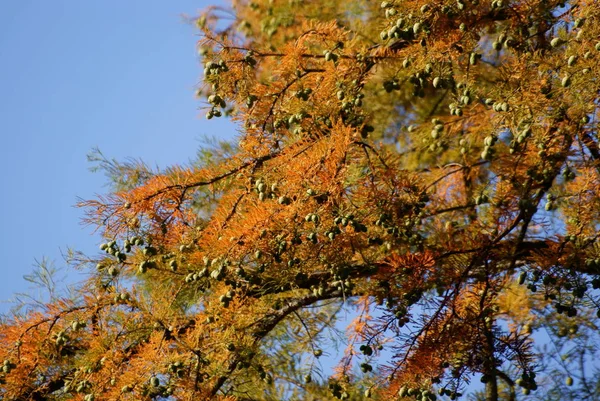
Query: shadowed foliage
x=425, y=173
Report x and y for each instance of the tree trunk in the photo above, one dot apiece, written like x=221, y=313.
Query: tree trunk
x=491, y=389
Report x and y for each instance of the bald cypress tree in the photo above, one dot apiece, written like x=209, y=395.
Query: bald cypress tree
x=424, y=172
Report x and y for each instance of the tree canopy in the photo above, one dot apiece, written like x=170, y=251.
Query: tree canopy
x=429, y=168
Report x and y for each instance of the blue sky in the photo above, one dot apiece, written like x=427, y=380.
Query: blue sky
x=120, y=75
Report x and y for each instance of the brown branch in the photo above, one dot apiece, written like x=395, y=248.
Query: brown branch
x=266, y=324
x=185, y=187
x=592, y=146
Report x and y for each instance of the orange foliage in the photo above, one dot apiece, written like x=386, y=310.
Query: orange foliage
x=405, y=159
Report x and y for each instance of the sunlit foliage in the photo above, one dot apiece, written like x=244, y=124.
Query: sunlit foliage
x=429, y=167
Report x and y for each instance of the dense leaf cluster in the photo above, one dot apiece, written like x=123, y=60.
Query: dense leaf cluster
x=430, y=168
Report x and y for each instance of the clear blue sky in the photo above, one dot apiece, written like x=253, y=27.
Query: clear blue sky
x=120, y=75
x=117, y=74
